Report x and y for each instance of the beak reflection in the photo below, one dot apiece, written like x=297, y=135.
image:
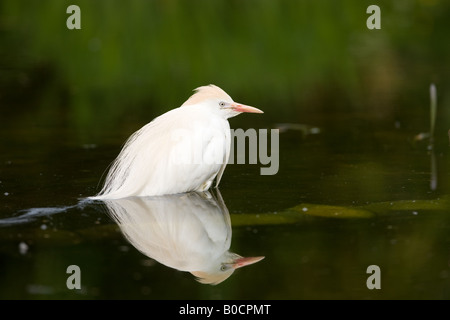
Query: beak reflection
x=189, y=232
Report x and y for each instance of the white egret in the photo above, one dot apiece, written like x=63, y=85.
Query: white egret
x=189, y=232
x=183, y=150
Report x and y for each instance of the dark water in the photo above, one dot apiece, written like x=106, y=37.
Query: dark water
x=365, y=190
x=344, y=199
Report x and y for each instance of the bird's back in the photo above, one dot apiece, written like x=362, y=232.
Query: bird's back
x=180, y=151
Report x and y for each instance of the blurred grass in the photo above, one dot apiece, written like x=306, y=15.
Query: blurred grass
x=136, y=59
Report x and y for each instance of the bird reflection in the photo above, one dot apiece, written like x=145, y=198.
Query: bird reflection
x=188, y=232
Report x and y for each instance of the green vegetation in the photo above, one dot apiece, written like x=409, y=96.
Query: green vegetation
x=136, y=59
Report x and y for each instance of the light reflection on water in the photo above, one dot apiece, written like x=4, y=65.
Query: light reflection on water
x=373, y=194
x=388, y=216
x=188, y=232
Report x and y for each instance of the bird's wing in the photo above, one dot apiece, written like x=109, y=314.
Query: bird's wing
x=226, y=157
x=167, y=155
x=129, y=173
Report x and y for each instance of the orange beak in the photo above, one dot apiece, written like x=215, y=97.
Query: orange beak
x=243, y=108
x=242, y=262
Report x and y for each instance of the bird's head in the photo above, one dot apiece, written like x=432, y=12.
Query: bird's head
x=221, y=271
x=219, y=102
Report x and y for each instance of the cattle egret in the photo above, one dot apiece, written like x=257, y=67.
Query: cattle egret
x=183, y=150
x=189, y=232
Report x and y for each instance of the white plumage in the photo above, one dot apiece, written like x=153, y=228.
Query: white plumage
x=183, y=150
x=189, y=232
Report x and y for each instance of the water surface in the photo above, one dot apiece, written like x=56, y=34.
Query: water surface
x=343, y=199
x=362, y=191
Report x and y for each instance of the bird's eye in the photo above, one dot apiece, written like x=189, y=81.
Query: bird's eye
x=223, y=267
x=222, y=104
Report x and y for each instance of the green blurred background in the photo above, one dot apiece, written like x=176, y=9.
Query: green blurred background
x=70, y=98
x=133, y=60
